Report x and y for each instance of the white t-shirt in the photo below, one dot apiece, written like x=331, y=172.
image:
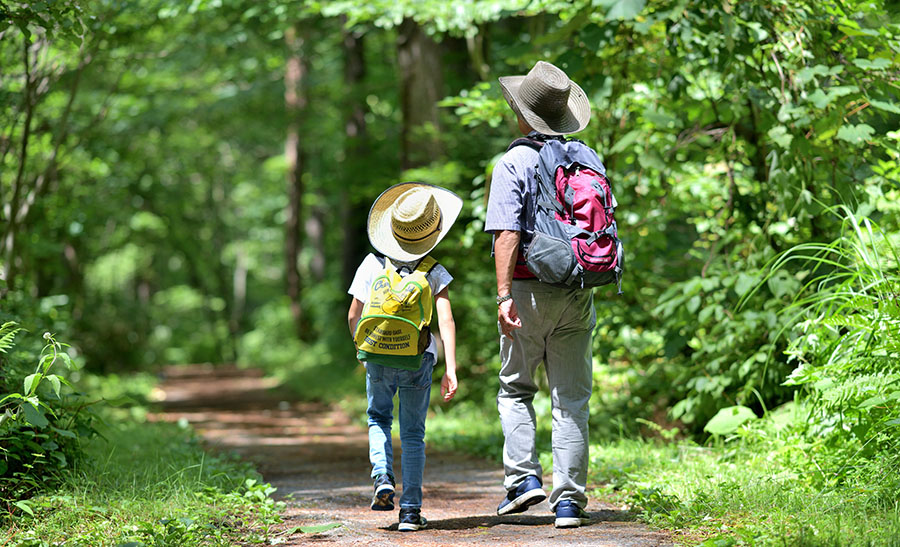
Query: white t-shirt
x=372, y=266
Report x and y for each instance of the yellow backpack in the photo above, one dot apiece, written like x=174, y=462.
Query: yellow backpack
x=394, y=328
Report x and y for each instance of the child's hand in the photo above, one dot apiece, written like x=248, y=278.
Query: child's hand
x=448, y=385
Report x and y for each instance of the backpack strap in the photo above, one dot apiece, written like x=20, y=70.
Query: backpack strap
x=536, y=141
x=426, y=265
x=386, y=263
x=525, y=141
x=610, y=231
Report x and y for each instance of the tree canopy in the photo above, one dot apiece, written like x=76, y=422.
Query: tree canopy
x=189, y=181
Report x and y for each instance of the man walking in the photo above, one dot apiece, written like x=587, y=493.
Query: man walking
x=539, y=322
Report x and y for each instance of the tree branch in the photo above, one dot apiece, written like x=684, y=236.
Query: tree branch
x=7, y=269
x=62, y=132
x=23, y=150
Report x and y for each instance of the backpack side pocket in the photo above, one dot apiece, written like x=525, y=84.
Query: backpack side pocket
x=549, y=258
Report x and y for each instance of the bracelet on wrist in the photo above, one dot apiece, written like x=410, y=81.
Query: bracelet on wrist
x=502, y=299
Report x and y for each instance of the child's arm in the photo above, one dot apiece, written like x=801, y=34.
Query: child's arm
x=447, y=326
x=353, y=315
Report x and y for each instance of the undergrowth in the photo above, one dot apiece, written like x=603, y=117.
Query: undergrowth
x=755, y=489
x=149, y=484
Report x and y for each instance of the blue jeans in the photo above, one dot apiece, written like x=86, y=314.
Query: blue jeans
x=415, y=389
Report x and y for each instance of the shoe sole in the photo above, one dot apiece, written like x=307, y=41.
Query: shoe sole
x=410, y=527
x=523, y=502
x=571, y=522
x=383, y=499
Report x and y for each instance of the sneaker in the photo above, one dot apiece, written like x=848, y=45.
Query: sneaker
x=520, y=498
x=569, y=515
x=383, y=500
x=411, y=520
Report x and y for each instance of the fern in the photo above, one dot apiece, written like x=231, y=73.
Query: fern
x=8, y=332
x=850, y=390
x=846, y=340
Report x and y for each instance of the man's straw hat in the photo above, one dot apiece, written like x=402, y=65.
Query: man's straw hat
x=548, y=100
x=409, y=219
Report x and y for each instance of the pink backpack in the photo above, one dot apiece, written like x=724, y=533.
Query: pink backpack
x=576, y=243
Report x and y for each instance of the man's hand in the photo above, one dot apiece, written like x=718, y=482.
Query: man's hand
x=508, y=316
x=506, y=249
x=448, y=385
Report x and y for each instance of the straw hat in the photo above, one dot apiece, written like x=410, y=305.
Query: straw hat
x=409, y=219
x=548, y=100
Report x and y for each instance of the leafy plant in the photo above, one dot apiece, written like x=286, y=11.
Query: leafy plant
x=151, y=484
x=40, y=427
x=846, y=342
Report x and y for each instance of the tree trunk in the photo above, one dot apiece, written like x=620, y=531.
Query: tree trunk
x=356, y=146
x=217, y=202
x=421, y=87
x=239, y=290
x=478, y=48
x=295, y=102
x=314, y=228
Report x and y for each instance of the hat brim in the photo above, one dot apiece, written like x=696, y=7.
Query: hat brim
x=576, y=117
x=378, y=225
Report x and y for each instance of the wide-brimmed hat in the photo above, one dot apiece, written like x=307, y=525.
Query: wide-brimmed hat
x=409, y=219
x=548, y=100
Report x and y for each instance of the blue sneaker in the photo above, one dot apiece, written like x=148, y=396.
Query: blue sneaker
x=383, y=500
x=569, y=515
x=523, y=496
x=411, y=520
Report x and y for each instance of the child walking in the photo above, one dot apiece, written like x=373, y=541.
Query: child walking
x=405, y=223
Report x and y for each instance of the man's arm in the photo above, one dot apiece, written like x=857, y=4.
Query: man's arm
x=506, y=252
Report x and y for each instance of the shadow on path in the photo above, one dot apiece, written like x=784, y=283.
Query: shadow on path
x=317, y=458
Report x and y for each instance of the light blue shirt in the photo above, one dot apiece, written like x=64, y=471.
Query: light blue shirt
x=513, y=197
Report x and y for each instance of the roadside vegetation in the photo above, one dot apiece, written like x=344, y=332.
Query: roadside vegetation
x=93, y=471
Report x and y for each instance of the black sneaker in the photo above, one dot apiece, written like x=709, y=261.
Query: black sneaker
x=569, y=515
x=383, y=500
x=520, y=498
x=411, y=520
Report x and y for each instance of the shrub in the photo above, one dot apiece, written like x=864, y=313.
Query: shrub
x=41, y=426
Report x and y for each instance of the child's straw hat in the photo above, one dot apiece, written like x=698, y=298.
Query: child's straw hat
x=409, y=219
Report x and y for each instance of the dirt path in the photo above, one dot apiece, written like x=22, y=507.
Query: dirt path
x=317, y=457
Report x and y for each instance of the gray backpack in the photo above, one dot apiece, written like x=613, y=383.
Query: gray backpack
x=576, y=242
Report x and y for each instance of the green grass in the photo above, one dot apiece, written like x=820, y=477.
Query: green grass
x=150, y=484
x=750, y=493
x=464, y=427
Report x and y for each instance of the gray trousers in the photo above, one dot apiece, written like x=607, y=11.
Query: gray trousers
x=556, y=330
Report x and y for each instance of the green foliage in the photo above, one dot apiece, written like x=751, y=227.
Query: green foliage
x=42, y=425
x=59, y=19
x=728, y=420
x=846, y=341
x=722, y=145
x=763, y=490
x=463, y=428
x=150, y=484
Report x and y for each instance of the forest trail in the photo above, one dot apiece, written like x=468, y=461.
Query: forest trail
x=317, y=458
